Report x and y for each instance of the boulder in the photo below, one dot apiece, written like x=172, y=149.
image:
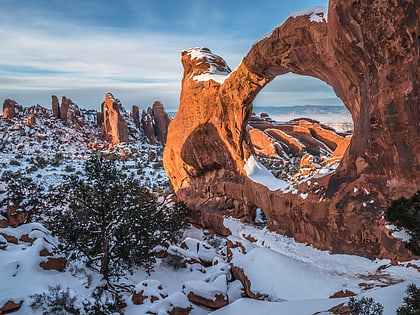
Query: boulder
x=10, y=306
x=209, y=294
x=175, y=304
x=54, y=263
x=148, y=291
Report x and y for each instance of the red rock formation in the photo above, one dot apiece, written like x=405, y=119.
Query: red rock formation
x=161, y=121
x=65, y=104
x=55, y=105
x=9, y=111
x=31, y=120
x=262, y=143
x=135, y=113
x=368, y=53
x=114, y=127
x=155, y=122
x=147, y=125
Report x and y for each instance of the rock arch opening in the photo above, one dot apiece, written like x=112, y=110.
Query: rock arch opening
x=299, y=127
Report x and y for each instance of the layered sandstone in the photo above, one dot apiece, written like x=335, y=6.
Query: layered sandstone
x=114, y=126
x=368, y=53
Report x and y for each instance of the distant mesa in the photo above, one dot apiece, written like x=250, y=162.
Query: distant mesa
x=369, y=55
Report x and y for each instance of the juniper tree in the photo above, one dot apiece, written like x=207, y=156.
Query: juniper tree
x=112, y=219
x=23, y=194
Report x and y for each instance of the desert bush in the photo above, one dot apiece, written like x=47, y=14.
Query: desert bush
x=364, y=306
x=411, y=305
x=405, y=213
x=66, y=301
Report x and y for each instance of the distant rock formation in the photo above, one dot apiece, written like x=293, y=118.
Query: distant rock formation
x=135, y=113
x=155, y=122
x=161, y=121
x=55, y=106
x=114, y=127
x=68, y=111
x=368, y=53
x=9, y=111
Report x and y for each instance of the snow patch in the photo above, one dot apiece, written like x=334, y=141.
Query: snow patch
x=259, y=174
x=316, y=14
x=219, y=71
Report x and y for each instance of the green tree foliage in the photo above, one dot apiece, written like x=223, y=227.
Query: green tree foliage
x=23, y=193
x=364, y=306
x=411, y=302
x=405, y=213
x=112, y=219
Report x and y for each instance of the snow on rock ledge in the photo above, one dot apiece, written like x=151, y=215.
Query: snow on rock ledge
x=212, y=295
x=316, y=14
x=259, y=174
x=210, y=66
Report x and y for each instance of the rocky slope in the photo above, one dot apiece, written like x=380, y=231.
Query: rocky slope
x=368, y=53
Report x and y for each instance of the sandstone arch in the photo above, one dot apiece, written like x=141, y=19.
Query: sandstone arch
x=369, y=53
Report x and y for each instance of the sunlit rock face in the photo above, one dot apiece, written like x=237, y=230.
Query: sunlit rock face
x=368, y=52
x=114, y=126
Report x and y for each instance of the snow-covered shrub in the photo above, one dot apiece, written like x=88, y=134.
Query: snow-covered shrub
x=3, y=242
x=364, y=306
x=23, y=193
x=66, y=301
x=57, y=300
x=174, y=261
x=411, y=305
x=405, y=213
x=104, y=302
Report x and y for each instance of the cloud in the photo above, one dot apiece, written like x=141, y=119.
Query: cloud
x=48, y=53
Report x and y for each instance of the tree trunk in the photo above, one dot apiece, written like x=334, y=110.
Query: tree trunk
x=105, y=249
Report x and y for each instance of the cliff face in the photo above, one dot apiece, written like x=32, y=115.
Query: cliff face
x=369, y=54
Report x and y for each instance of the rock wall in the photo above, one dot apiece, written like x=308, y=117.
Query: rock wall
x=369, y=54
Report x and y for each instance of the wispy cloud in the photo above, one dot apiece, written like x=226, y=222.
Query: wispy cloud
x=46, y=51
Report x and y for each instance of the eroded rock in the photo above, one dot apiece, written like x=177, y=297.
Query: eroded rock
x=114, y=127
x=368, y=53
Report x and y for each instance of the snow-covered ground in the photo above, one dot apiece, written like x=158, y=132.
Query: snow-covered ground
x=292, y=278
x=289, y=277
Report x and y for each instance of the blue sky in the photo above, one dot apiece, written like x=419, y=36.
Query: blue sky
x=85, y=48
